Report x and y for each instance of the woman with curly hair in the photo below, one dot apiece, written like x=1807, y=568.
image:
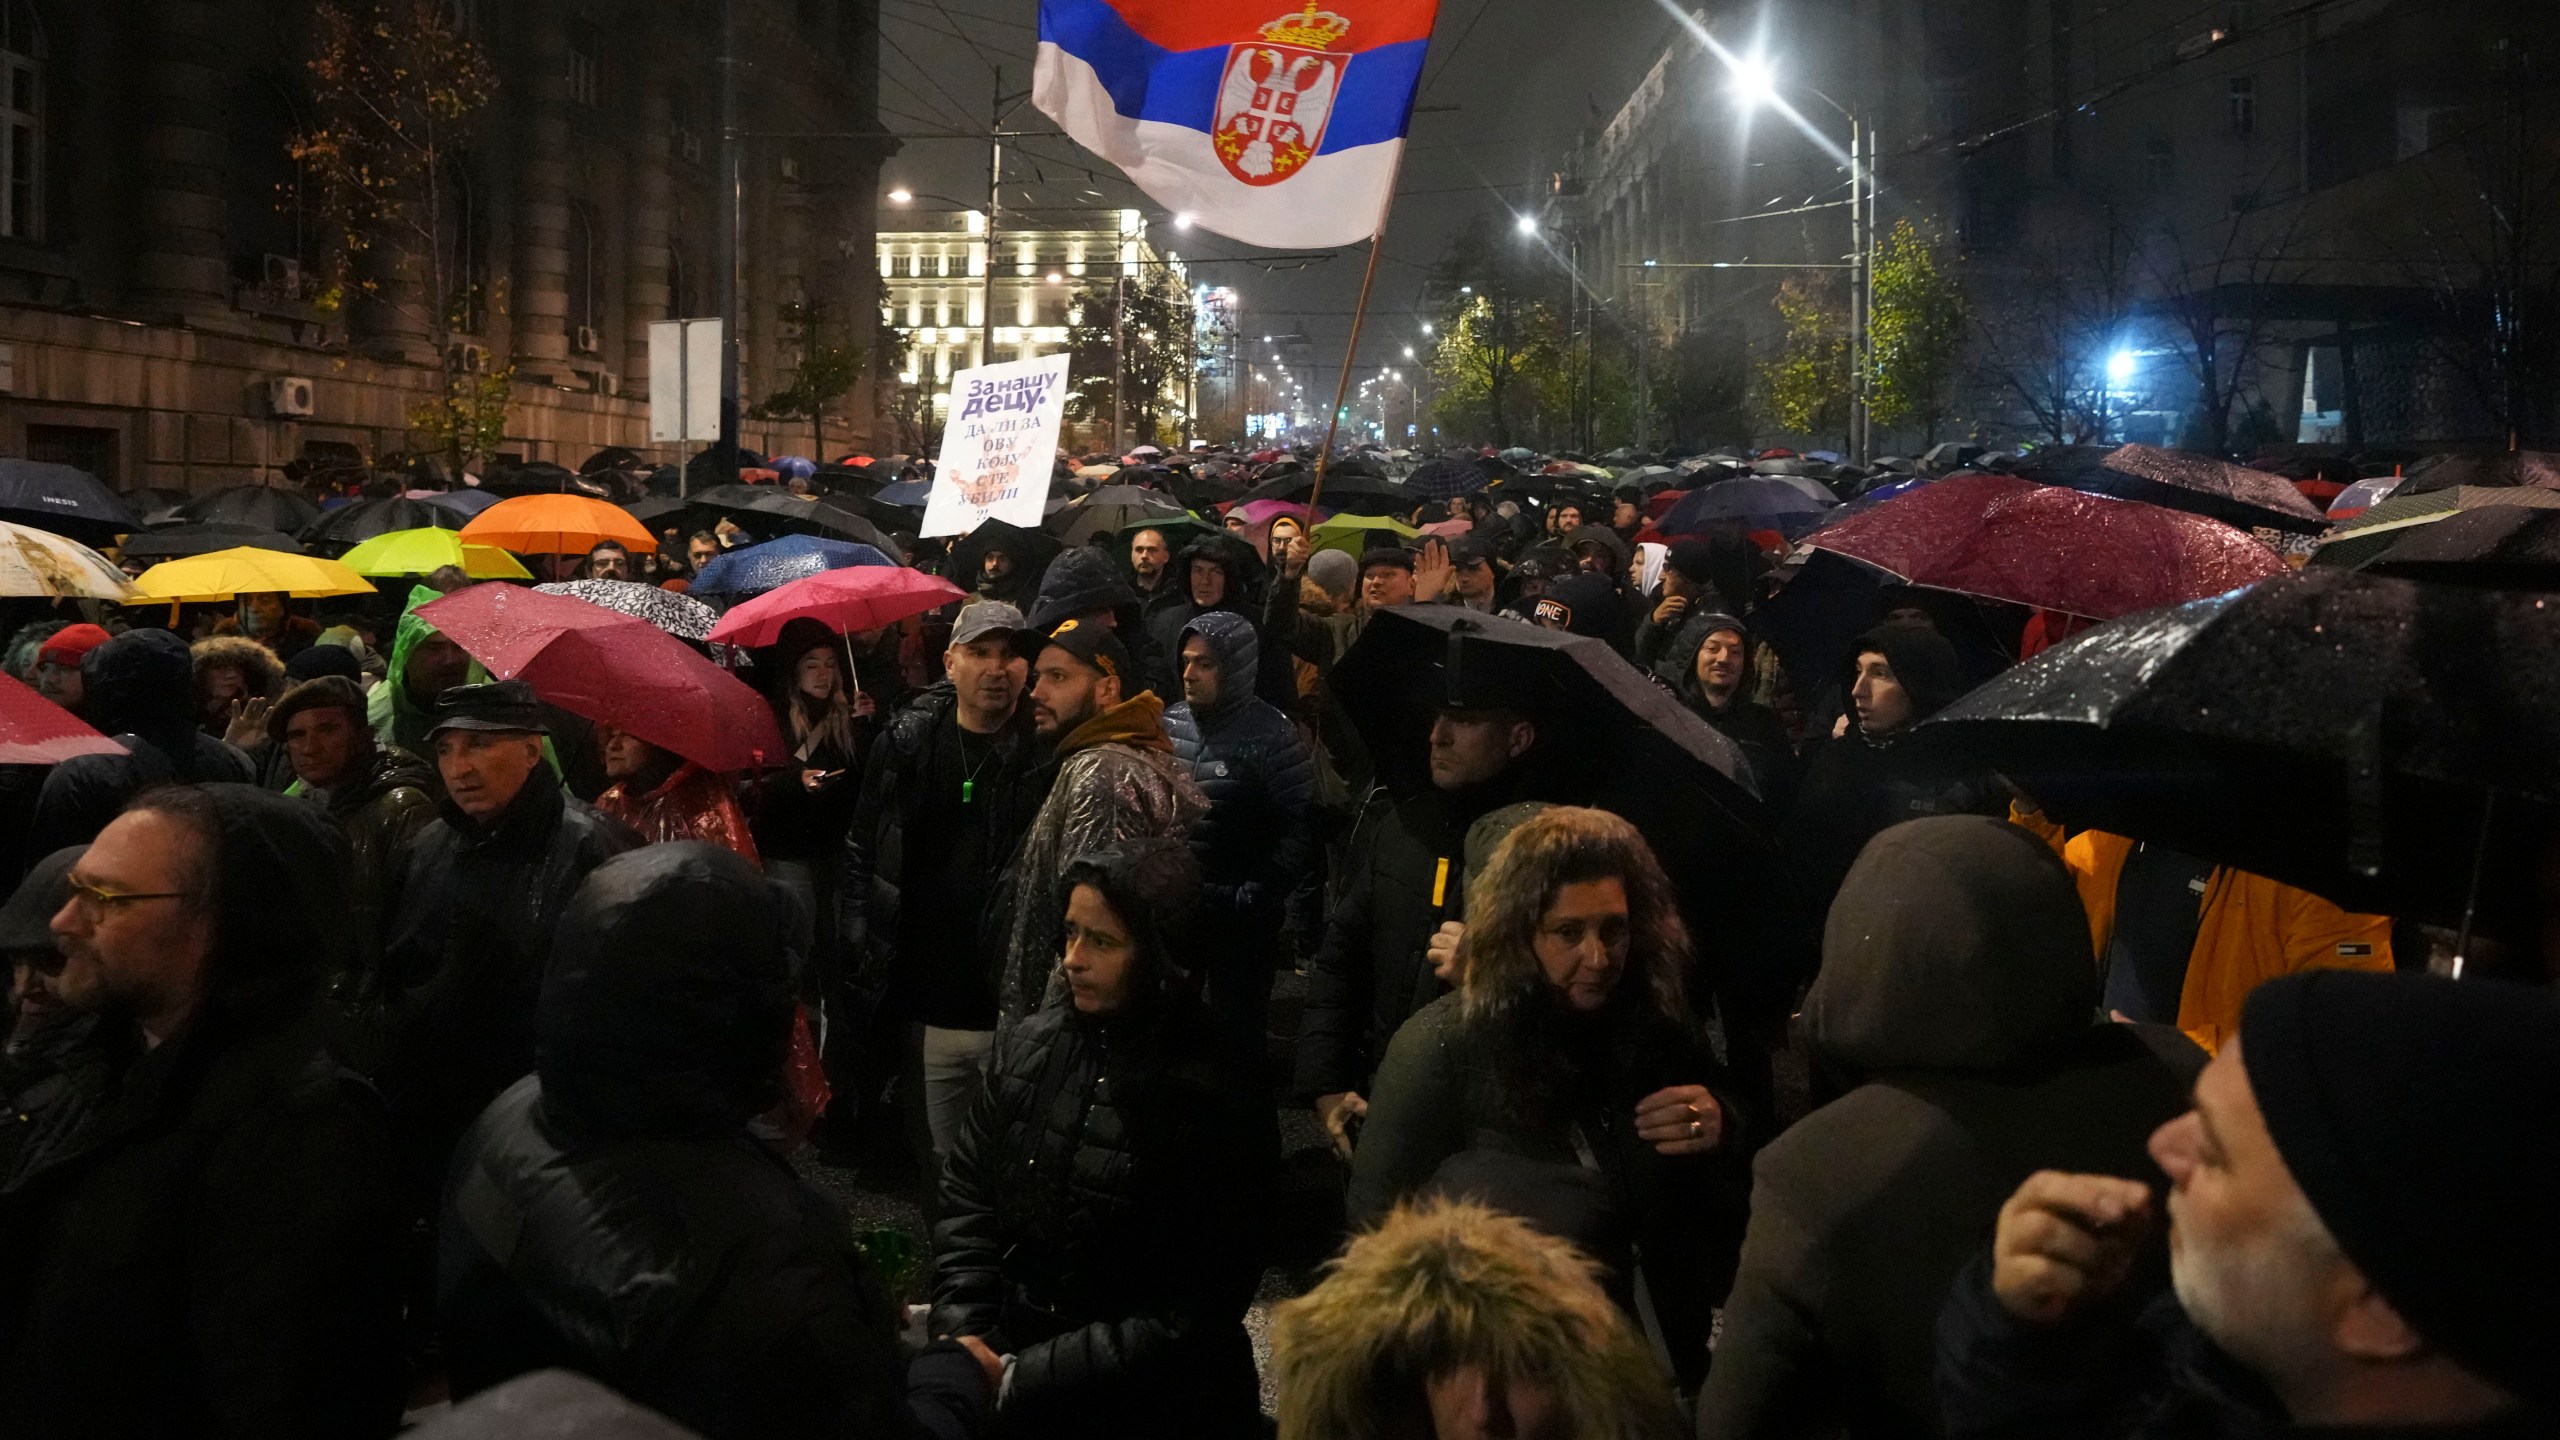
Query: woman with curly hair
x=1566, y=1080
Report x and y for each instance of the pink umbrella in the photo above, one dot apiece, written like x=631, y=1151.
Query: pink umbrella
x=35, y=731
x=1254, y=512
x=615, y=670
x=849, y=601
x=2005, y=538
x=1450, y=529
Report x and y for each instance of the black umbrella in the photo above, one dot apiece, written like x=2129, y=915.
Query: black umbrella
x=649, y=509
x=171, y=542
x=1354, y=493
x=2386, y=744
x=2537, y=468
x=351, y=524
x=61, y=499
x=260, y=507
x=1608, y=736
x=788, y=514
x=1032, y=551
x=1111, y=509
x=2499, y=547
x=150, y=501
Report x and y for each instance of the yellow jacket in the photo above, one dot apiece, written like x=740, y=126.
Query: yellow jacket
x=2252, y=929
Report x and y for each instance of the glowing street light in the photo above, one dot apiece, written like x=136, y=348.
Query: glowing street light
x=2120, y=367
x=1755, y=80
x=1528, y=224
x=901, y=196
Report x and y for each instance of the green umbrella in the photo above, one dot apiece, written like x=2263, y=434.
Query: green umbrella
x=1355, y=533
x=425, y=551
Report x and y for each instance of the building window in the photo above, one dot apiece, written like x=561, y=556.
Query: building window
x=82, y=447
x=2240, y=106
x=21, y=123
x=584, y=311
x=586, y=74
x=2159, y=161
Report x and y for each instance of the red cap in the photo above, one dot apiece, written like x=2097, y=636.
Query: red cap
x=70, y=643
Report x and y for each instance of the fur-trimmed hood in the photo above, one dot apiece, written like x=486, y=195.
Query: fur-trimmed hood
x=1440, y=1284
x=256, y=663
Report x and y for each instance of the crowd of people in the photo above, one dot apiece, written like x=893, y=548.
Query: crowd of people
x=384, y=1032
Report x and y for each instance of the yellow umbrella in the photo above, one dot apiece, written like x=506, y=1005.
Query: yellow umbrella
x=226, y=573
x=430, y=548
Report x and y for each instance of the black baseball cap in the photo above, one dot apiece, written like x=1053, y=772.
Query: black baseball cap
x=1097, y=647
x=1468, y=550
x=26, y=922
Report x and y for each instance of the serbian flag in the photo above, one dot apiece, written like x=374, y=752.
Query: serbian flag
x=1279, y=129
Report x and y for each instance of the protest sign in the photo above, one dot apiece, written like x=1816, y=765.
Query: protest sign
x=999, y=446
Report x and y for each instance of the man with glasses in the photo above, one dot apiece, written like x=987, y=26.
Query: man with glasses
x=213, y=1251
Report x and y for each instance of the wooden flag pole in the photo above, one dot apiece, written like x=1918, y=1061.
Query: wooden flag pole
x=1351, y=352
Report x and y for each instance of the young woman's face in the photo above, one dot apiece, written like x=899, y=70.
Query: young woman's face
x=1582, y=941
x=818, y=674
x=1099, y=953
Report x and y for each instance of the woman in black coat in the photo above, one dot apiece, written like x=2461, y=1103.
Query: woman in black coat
x=1105, y=1210
x=1566, y=1080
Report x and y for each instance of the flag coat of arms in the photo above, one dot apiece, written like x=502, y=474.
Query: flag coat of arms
x=1274, y=125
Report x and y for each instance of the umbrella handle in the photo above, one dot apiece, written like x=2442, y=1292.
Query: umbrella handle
x=2471, y=901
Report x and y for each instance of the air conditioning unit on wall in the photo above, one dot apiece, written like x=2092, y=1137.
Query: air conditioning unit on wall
x=289, y=395
x=468, y=359
x=586, y=341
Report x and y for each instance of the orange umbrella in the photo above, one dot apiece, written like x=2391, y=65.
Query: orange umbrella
x=556, y=525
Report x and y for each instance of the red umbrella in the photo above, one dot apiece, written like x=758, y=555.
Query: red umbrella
x=35, y=731
x=2004, y=538
x=615, y=670
x=850, y=601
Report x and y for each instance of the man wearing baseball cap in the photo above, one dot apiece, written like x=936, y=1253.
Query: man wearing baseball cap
x=2360, y=1238
x=1117, y=779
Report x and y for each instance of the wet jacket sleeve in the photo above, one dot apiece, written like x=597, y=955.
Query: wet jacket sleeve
x=866, y=904
x=1769, y=1364
x=2001, y=1378
x=1415, y=1121
x=1293, y=793
x=968, y=1243
x=1341, y=988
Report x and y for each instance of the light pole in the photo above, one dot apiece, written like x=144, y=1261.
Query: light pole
x=987, y=282
x=1755, y=83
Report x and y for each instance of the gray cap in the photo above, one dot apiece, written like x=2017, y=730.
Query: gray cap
x=982, y=618
x=26, y=922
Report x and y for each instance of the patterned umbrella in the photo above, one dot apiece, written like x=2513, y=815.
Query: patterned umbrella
x=39, y=562
x=757, y=568
x=679, y=615
x=1447, y=478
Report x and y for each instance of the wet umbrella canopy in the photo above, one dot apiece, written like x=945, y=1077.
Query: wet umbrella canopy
x=203, y=539
x=62, y=500
x=755, y=569
x=1752, y=502
x=614, y=670
x=353, y=524
x=2333, y=731
x=258, y=507
x=2501, y=547
x=35, y=731
x=678, y=615
x=1447, y=477
x=783, y=511
x=2198, y=484
x=851, y=601
x=2003, y=538
x=1111, y=509
x=39, y=562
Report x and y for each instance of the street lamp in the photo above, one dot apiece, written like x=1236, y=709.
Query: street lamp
x=1528, y=224
x=1755, y=84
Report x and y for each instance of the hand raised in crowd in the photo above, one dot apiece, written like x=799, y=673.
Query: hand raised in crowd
x=248, y=723
x=1433, y=576
x=2065, y=1242
x=1680, y=1120
x=1335, y=1113
x=1442, y=952
x=1293, y=558
x=1671, y=610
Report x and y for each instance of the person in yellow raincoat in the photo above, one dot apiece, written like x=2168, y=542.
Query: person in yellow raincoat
x=2247, y=929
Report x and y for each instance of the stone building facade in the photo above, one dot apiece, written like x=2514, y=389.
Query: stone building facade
x=159, y=255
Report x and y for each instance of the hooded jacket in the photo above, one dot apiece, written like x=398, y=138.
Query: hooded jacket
x=1857, y=785
x=1107, y=1207
x=140, y=689
x=691, y=803
x=463, y=955
x=1258, y=839
x=399, y=721
x=1082, y=579
x=1117, y=779
x=612, y=1214
x=379, y=811
x=1957, y=985
x=261, y=673
x=1753, y=726
x=1275, y=680
x=1444, y=1278
x=215, y=1254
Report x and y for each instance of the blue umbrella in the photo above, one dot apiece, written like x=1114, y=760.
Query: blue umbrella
x=1750, y=502
x=775, y=563
x=469, y=502
x=910, y=493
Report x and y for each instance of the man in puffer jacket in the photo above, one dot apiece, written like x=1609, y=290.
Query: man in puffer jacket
x=1218, y=572
x=681, y=1261
x=1258, y=840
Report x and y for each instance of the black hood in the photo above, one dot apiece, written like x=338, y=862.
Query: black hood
x=279, y=900
x=1956, y=943
x=1152, y=883
x=1239, y=653
x=1243, y=567
x=390, y=769
x=1922, y=660
x=143, y=683
x=666, y=1008
x=1678, y=667
x=1082, y=579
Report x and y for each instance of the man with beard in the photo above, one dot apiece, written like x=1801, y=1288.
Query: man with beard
x=953, y=779
x=1117, y=779
x=2360, y=1238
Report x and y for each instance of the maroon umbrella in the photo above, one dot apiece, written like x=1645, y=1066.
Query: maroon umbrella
x=2003, y=538
x=35, y=731
x=850, y=601
x=614, y=670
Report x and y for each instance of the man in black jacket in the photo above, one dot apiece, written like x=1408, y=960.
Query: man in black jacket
x=612, y=1213
x=1258, y=839
x=214, y=1252
x=471, y=924
x=1405, y=880
x=139, y=688
x=1216, y=572
x=2360, y=1238
x=1083, y=585
x=953, y=779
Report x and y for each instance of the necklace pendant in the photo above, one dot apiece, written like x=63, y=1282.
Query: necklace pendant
x=968, y=791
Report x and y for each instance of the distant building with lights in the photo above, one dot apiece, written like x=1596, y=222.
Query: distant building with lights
x=933, y=281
